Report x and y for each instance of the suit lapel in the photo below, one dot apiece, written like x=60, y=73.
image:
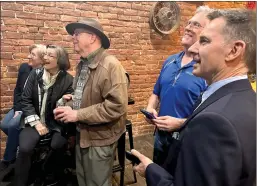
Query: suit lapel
x=234, y=86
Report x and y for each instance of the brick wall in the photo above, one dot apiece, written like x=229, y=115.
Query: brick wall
x=139, y=48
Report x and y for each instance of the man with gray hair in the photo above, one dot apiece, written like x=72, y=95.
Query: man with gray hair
x=99, y=104
x=176, y=89
x=217, y=144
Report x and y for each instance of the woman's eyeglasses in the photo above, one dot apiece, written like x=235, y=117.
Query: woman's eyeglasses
x=50, y=46
x=50, y=55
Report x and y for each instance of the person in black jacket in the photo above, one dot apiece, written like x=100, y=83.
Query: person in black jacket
x=217, y=144
x=43, y=89
x=11, y=122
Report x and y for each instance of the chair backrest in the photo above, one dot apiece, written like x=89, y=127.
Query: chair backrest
x=128, y=79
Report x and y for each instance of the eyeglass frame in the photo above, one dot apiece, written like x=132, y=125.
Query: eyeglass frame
x=194, y=24
x=80, y=32
x=50, y=46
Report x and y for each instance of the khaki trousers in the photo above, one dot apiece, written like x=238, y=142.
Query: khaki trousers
x=94, y=164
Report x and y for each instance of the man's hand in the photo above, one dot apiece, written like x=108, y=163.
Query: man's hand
x=16, y=114
x=152, y=111
x=42, y=129
x=141, y=168
x=65, y=114
x=168, y=123
x=67, y=97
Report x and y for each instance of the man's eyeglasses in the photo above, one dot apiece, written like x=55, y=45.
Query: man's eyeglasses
x=76, y=33
x=194, y=24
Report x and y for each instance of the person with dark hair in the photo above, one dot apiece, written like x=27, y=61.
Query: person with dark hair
x=10, y=125
x=217, y=144
x=44, y=87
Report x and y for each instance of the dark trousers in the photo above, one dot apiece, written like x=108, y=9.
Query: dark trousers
x=29, y=137
x=162, y=142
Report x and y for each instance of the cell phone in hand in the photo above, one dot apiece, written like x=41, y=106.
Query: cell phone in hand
x=147, y=114
x=132, y=158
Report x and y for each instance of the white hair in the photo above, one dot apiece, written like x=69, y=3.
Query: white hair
x=204, y=9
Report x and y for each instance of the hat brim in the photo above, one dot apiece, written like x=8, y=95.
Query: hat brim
x=70, y=28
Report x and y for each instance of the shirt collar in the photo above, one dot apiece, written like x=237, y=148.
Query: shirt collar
x=216, y=85
x=90, y=56
x=179, y=60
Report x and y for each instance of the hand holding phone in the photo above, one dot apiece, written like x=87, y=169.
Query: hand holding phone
x=132, y=158
x=147, y=114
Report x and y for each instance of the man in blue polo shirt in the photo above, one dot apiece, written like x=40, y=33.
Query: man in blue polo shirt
x=176, y=89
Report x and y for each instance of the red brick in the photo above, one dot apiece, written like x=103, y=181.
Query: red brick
x=25, y=42
x=88, y=14
x=100, y=9
x=53, y=10
x=84, y=6
x=107, y=16
x=143, y=13
x=33, y=29
x=25, y=15
x=14, y=21
x=11, y=74
x=6, y=55
x=32, y=22
x=12, y=35
x=66, y=5
x=33, y=36
x=117, y=23
x=53, y=31
x=12, y=69
x=6, y=99
x=53, y=37
x=104, y=4
x=68, y=18
x=130, y=12
x=10, y=48
x=8, y=13
x=33, y=8
x=126, y=5
x=62, y=31
x=124, y=18
x=8, y=28
x=54, y=24
x=11, y=6
x=25, y=49
x=20, y=55
x=45, y=4
x=115, y=10
x=48, y=17
x=43, y=30
x=23, y=29
x=74, y=13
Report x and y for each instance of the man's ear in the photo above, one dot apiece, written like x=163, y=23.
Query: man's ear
x=93, y=38
x=237, y=50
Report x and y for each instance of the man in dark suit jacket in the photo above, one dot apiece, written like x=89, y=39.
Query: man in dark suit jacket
x=217, y=144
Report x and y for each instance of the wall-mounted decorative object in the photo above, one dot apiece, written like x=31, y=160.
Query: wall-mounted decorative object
x=165, y=17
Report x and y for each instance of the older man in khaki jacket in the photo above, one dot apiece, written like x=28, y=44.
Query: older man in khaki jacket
x=98, y=106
